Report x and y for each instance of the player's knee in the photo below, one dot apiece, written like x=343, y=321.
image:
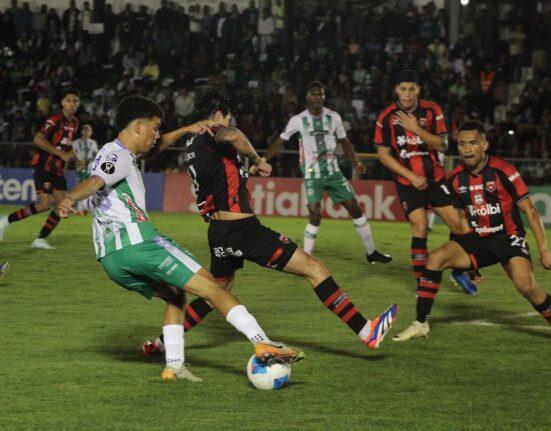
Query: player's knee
x=526, y=287
x=436, y=261
x=419, y=229
x=317, y=269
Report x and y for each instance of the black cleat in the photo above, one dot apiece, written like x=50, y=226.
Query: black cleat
x=378, y=257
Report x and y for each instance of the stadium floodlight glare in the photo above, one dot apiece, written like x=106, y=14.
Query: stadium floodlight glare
x=465, y=2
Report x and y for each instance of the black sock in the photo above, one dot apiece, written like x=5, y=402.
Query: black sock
x=544, y=309
x=427, y=289
x=195, y=312
x=22, y=213
x=337, y=301
x=419, y=255
x=50, y=225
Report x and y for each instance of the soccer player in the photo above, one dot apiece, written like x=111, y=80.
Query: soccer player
x=489, y=192
x=54, y=150
x=409, y=135
x=85, y=149
x=136, y=256
x=236, y=235
x=320, y=130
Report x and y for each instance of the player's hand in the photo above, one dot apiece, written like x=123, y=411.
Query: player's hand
x=81, y=165
x=545, y=259
x=65, y=207
x=264, y=169
x=475, y=276
x=419, y=182
x=407, y=121
x=201, y=127
x=360, y=168
x=67, y=156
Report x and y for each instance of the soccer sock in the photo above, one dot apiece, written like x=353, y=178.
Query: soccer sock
x=427, y=288
x=310, y=235
x=173, y=336
x=195, y=312
x=419, y=254
x=544, y=309
x=245, y=323
x=364, y=230
x=22, y=213
x=49, y=226
x=337, y=301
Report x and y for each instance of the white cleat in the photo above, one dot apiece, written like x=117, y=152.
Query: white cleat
x=41, y=244
x=183, y=372
x=4, y=267
x=3, y=226
x=415, y=330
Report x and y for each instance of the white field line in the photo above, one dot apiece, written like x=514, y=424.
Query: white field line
x=482, y=322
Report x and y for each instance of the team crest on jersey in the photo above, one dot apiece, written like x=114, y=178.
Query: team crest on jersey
x=423, y=122
x=47, y=186
x=108, y=167
x=284, y=239
x=491, y=186
x=478, y=199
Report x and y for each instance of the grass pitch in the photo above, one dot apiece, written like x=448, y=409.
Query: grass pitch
x=71, y=338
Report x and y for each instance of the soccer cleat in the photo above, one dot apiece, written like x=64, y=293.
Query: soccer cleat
x=152, y=348
x=273, y=350
x=415, y=330
x=41, y=244
x=4, y=267
x=463, y=280
x=380, y=326
x=3, y=226
x=378, y=257
x=183, y=372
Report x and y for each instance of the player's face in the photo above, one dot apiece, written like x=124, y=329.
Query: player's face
x=70, y=104
x=315, y=98
x=472, y=146
x=87, y=132
x=148, y=130
x=408, y=93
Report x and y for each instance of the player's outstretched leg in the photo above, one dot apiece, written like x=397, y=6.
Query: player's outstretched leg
x=42, y=205
x=371, y=332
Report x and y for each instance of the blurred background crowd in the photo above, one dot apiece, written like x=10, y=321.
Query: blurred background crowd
x=266, y=56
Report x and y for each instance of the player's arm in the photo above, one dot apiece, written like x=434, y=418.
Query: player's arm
x=351, y=155
x=536, y=225
x=167, y=139
x=388, y=161
x=438, y=142
x=238, y=140
x=81, y=191
x=42, y=142
x=274, y=148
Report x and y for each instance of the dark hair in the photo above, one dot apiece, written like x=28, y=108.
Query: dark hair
x=407, y=75
x=473, y=125
x=210, y=99
x=135, y=107
x=68, y=91
x=314, y=84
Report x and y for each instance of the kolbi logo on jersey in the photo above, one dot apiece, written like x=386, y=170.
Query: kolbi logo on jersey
x=408, y=140
x=485, y=210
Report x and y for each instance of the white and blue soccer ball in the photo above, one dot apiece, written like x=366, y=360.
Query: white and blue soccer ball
x=267, y=376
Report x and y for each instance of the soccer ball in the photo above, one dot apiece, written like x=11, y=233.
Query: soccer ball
x=267, y=376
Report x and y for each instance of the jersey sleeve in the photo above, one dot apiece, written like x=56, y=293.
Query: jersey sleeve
x=382, y=134
x=48, y=128
x=453, y=181
x=113, y=166
x=339, y=127
x=439, y=124
x=290, y=129
x=514, y=183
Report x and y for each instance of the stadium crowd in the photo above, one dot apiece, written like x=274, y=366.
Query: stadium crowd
x=354, y=50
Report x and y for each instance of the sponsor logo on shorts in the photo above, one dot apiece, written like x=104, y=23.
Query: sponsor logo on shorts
x=172, y=269
x=108, y=168
x=226, y=251
x=166, y=262
x=284, y=239
x=491, y=186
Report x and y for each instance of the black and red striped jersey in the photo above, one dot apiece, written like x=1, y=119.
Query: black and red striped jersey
x=219, y=178
x=60, y=132
x=407, y=147
x=490, y=197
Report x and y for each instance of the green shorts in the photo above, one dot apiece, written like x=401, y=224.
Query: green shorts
x=156, y=260
x=336, y=185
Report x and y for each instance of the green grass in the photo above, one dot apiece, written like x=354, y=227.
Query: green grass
x=70, y=341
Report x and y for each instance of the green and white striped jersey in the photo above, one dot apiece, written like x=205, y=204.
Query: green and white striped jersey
x=318, y=141
x=86, y=151
x=120, y=217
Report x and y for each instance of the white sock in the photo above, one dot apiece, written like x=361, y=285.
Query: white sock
x=245, y=323
x=365, y=330
x=160, y=344
x=310, y=235
x=364, y=230
x=174, y=345
x=430, y=218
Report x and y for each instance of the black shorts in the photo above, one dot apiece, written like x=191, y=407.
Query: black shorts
x=233, y=241
x=493, y=249
x=437, y=194
x=46, y=182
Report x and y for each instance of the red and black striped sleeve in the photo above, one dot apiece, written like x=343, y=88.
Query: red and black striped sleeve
x=50, y=126
x=453, y=181
x=511, y=179
x=439, y=124
x=382, y=128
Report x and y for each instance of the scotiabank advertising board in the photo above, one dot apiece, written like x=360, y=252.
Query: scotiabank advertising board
x=286, y=197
